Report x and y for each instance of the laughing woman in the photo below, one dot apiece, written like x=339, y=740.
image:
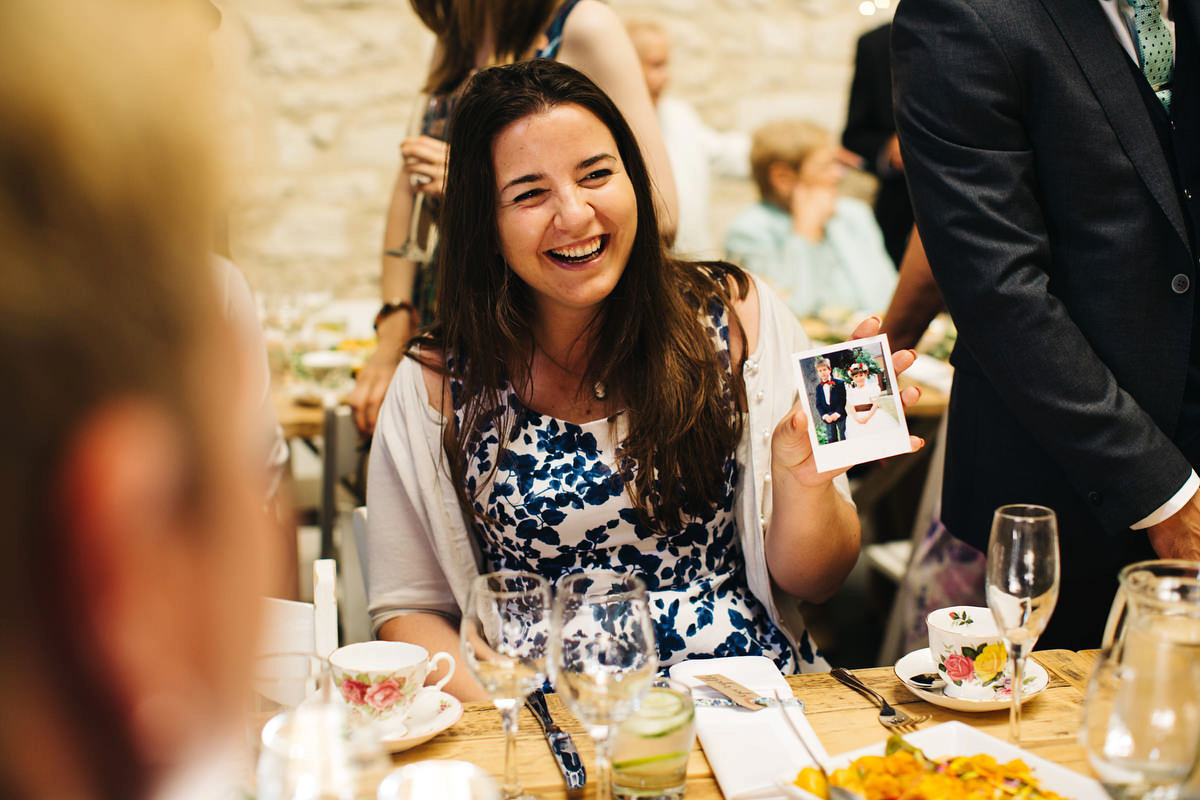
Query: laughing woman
x=585, y=401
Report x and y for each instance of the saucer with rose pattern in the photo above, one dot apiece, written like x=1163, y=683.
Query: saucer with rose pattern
x=921, y=661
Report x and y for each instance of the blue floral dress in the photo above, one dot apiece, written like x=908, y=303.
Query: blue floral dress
x=556, y=504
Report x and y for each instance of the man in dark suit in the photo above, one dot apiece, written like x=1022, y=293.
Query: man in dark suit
x=1056, y=193
x=871, y=133
x=831, y=402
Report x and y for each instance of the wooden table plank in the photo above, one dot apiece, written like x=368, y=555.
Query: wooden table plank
x=843, y=720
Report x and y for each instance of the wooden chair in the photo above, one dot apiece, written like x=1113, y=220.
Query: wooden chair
x=295, y=627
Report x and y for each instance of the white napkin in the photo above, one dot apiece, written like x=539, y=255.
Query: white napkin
x=748, y=750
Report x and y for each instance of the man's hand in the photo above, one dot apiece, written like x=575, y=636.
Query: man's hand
x=892, y=156
x=1178, y=536
x=834, y=417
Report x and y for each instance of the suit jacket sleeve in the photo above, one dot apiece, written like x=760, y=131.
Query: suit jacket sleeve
x=965, y=90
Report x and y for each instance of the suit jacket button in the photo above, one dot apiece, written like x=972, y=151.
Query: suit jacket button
x=1180, y=283
x=1094, y=498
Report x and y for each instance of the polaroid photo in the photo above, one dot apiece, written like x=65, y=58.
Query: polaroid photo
x=853, y=402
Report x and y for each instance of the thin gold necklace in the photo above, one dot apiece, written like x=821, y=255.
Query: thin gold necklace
x=599, y=390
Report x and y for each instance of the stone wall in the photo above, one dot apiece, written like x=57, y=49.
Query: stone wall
x=325, y=88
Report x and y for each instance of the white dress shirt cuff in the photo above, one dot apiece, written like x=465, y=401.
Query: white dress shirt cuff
x=1172, y=506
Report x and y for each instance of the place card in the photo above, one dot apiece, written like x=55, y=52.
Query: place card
x=733, y=690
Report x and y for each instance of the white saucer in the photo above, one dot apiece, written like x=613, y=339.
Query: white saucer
x=431, y=713
x=920, y=661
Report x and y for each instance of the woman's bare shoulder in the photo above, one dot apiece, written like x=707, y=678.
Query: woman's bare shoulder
x=590, y=20
x=432, y=365
x=745, y=305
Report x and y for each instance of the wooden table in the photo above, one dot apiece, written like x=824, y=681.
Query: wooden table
x=298, y=420
x=843, y=719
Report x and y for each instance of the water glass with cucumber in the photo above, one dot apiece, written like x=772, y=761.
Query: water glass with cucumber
x=650, y=754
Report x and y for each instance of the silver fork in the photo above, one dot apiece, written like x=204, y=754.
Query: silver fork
x=835, y=792
x=889, y=717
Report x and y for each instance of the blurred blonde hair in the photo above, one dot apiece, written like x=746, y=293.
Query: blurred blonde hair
x=787, y=141
x=109, y=179
x=639, y=25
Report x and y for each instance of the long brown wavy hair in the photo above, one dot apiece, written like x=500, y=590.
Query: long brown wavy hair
x=462, y=25
x=683, y=401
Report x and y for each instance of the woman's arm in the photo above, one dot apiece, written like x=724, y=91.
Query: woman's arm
x=393, y=332
x=596, y=43
x=436, y=633
x=409, y=586
x=813, y=536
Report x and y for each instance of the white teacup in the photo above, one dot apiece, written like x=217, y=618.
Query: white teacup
x=969, y=652
x=380, y=679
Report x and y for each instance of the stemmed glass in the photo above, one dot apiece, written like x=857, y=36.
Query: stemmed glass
x=504, y=632
x=603, y=655
x=430, y=111
x=1022, y=585
x=315, y=750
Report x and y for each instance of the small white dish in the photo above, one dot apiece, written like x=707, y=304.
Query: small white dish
x=921, y=661
x=959, y=739
x=431, y=713
x=329, y=359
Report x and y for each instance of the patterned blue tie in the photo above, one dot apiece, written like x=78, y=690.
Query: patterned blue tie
x=1155, y=46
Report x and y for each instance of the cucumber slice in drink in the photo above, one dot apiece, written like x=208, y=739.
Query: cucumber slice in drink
x=661, y=713
x=647, y=760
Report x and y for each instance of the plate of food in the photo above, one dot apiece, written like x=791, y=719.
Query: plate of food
x=951, y=760
x=918, y=663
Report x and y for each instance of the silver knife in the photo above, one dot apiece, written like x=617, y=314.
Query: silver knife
x=560, y=742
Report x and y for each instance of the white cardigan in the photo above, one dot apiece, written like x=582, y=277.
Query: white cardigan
x=420, y=555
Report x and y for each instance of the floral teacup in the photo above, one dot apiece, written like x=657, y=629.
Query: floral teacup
x=969, y=652
x=379, y=680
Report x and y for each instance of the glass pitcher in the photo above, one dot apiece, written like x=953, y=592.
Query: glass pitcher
x=1141, y=725
x=1162, y=592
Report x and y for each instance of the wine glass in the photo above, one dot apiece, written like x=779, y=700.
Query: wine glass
x=505, y=629
x=315, y=750
x=427, y=117
x=603, y=655
x=1022, y=585
x=1141, y=720
x=439, y=779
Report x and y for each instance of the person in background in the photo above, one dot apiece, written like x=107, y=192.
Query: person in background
x=585, y=34
x=870, y=133
x=696, y=151
x=1053, y=154
x=586, y=401
x=133, y=547
x=819, y=250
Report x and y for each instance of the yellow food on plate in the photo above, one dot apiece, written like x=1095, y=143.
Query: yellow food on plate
x=905, y=773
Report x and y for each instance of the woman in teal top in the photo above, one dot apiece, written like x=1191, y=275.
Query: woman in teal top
x=819, y=250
